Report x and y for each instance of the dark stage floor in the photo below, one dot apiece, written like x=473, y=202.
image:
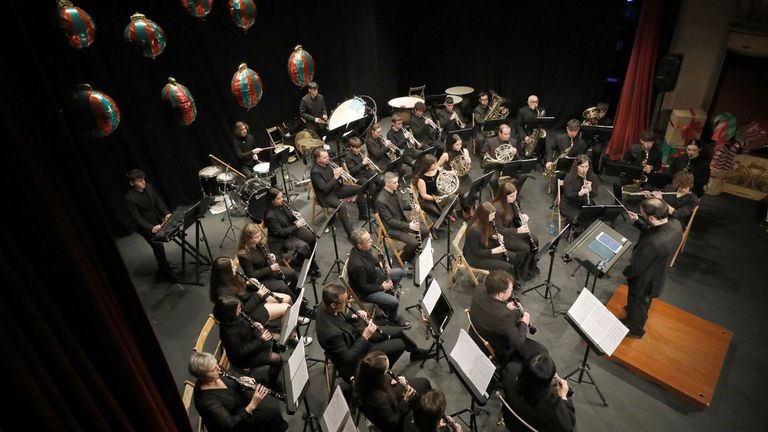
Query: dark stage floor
x=718, y=278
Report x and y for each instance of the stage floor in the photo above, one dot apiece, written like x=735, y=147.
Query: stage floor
x=680, y=351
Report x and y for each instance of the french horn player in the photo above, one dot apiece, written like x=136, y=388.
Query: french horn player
x=499, y=150
x=458, y=161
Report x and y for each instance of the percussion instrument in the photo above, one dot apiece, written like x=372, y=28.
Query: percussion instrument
x=207, y=177
x=347, y=112
x=253, y=193
x=307, y=139
x=261, y=170
x=403, y=106
x=459, y=91
x=226, y=182
x=283, y=147
x=456, y=99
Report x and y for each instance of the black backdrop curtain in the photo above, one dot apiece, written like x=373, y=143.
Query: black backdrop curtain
x=558, y=49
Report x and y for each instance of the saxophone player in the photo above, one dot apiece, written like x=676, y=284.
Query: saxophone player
x=569, y=144
x=450, y=118
x=390, y=210
x=645, y=155
x=525, y=114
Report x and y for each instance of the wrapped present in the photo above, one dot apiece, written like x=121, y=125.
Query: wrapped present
x=684, y=126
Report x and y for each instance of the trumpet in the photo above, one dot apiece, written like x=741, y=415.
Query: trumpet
x=347, y=177
x=458, y=120
x=412, y=141
x=250, y=386
x=394, y=151
x=434, y=125
x=372, y=166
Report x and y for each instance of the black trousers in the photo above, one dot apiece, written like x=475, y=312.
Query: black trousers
x=409, y=238
x=158, y=249
x=343, y=191
x=637, y=312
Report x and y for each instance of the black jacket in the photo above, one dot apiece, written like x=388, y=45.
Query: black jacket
x=341, y=339
x=552, y=414
x=323, y=181
x=497, y=324
x=635, y=156
x=280, y=224
x=570, y=201
x=391, y=211
x=562, y=142
x=146, y=209
x=365, y=274
x=243, y=343
x=377, y=151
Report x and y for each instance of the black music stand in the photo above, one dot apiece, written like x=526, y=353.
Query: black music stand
x=438, y=223
x=519, y=170
x=437, y=320
x=479, y=397
x=584, y=366
x=305, y=269
x=475, y=192
x=280, y=160
x=394, y=165
x=626, y=172
x=191, y=215
x=338, y=263
x=605, y=213
x=435, y=100
x=551, y=248
x=597, y=249
x=538, y=122
x=364, y=187
x=465, y=134
x=594, y=135
x=493, y=125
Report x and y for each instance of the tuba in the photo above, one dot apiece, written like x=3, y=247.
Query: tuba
x=447, y=184
x=460, y=165
x=496, y=111
x=591, y=116
x=504, y=153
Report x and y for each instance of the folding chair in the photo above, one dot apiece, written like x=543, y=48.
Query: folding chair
x=423, y=215
x=684, y=239
x=316, y=204
x=556, y=205
x=506, y=406
x=368, y=307
x=461, y=262
x=418, y=91
x=382, y=235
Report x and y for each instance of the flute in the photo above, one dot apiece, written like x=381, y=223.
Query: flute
x=258, y=285
x=367, y=321
x=250, y=386
x=642, y=193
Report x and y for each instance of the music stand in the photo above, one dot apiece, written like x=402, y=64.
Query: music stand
x=182, y=218
x=337, y=417
x=475, y=192
x=475, y=372
x=364, y=187
x=296, y=379
x=394, y=165
x=438, y=312
x=438, y=223
x=538, y=122
x=435, y=100
x=280, y=160
x=605, y=213
x=551, y=248
x=465, y=134
x=330, y=222
x=623, y=170
x=305, y=268
x=494, y=124
x=597, y=249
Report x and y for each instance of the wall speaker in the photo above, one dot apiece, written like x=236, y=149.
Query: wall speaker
x=667, y=72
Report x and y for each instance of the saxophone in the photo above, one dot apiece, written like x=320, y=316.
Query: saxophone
x=553, y=169
x=529, y=144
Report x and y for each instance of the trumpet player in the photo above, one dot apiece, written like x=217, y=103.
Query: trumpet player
x=289, y=233
x=568, y=144
x=450, y=118
x=401, y=138
x=390, y=210
x=380, y=150
x=360, y=165
x=423, y=128
x=329, y=187
x=579, y=189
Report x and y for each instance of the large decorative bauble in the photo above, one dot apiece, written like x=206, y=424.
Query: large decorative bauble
x=77, y=25
x=301, y=66
x=197, y=8
x=180, y=100
x=97, y=111
x=145, y=35
x=243, y=13
x=247, y=87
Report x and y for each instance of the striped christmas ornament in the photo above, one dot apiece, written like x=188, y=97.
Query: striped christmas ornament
x=78, y=26
x=247, y=87
x=145, y=35
x=98, y=111
x=301, y=66
x=243, y=13
x=197, y=8
x=180, y=100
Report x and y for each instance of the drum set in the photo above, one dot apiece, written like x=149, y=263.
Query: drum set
x=215, y=181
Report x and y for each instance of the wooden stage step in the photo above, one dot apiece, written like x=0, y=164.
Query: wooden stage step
x=680, y=351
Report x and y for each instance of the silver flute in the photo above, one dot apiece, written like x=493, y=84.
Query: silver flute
x=250, y=386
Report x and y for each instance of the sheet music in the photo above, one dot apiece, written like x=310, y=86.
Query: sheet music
x=431, y=296
x=336, y=411
x=425, y=261
x=349, y=426
x=290, y=319
x=597, y=322
x=297, y=368
x=473, y=362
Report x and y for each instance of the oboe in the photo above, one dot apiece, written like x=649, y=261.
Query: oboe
x=271, y=260
x=534, y=248
x=500, y=239
x=259, y=285
x=250, y=386
x=517, y=303
x=297, y=214
x=367, y=321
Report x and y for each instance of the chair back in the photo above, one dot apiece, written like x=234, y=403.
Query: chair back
x=479, y=340
x=459, y=237
x=275, y=135
x=684, y=238
x=520, y=419
x=202, y=342
x=418, y=91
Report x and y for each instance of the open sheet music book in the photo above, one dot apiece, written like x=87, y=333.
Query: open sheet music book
x=337, y=417
x=472, y=363
x=602, y=328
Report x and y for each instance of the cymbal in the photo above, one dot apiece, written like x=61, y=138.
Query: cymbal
x=310, y=142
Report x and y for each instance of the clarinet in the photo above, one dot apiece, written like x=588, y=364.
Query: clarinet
x=446, y=418
x=415, y=210
x=297, y=215
x=250, y=386
x=259, y=285
x=255, y=324
x=271, y=261
x=517, y=303
x=366, y=321
x=384, y=264
x=534, y=248
x=500, y=239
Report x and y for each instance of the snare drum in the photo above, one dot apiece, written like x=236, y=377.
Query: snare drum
x=253, y=193
x=207, y=178
x=262, y=171
x=226, y=182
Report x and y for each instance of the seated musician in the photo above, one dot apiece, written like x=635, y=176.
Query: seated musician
x=450, y=118
x=380, y=150
x=645, y=155
x=258, y=302
x=479, y=114
x=484, y=247
x=490, y=162
x=568, y=144
x=503, y=322
x=399, y=227
x=540, y=397
x=525, y=129
x=398, y=136
x=259, y=262
x=422, y=127
x=693, y=161
x=147, y=212
x=678, y=196
x=224, y=405
x=328, y=184
x=429, y=414
x=313, y=111
x=370, y=280
x=596, y=147
x=361, y=168
x=457, y=158
x=248, y=153
x=425, y=180
x=512, y=223
x=387, y=403
x=248, y=346
x=579, y=189
x=289, y=234
x=346, y=338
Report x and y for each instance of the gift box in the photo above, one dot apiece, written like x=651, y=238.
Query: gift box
x=684, y=126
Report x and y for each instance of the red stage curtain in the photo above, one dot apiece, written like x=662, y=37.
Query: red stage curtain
x=634, y=110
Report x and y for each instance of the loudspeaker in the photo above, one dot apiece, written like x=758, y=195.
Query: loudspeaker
x=667, y=71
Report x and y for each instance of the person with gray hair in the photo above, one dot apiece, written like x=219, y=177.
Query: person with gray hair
x=226, y=404
x=390, y=209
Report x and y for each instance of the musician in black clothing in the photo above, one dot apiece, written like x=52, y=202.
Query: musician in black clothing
x=328, y=186
x=377, y=148
x=483, y=248
x=525, y=129
x=346, y=338
x=288, y=232
x=568, y=144
x=360, y=167
x=147, y=212
x=449, y=118
x=248, y=153
x=678, y=196
x=512, y=223
x=693, y=161
x=429, y=414
x=479, y=114
x=503, y=136
x=422, y=127
x=595, y=147
x=260, y=263
x=390, y=210
x=398, y=136
x=312, y=109
x=579, y=189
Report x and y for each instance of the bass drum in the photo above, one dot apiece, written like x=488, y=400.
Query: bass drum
x=253, y=193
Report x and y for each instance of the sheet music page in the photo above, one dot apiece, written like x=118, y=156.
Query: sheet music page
x=432, y=296
x=349, y=426
x=336, y=411
x=297, y=368
x=597, y=322
x=475, y=365
x=290, y=319
x=425, y=263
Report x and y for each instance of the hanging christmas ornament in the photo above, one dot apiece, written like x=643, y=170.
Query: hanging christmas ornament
x=247, y=87
x=77, y=25
x=145, y=35
x=197, y=8
x=243, y=13
x=180, y=100
x=301, y=66
x=96, y=111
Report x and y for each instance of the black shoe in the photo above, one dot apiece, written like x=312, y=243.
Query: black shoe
x=419, y=354
x=315, y=273
x=401, y=323
x=635, y=335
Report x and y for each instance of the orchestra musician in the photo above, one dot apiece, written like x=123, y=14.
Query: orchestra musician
x=695, y=163
x=224, y=405
x=596, y=147
x=388, y=408
x=450, y=118
x=370, y=280
x=347, y=336
x=258, y=262
x=378, y=149
x=568, y=144
x=645, y=155
x=247, y=151
x=483, y=247
x=679, y=198
x=313, y=110
x=512, y=223
x=423, y=128
x=360, y=167
x=390, y=210
x=525, y=130
x=398, y=136
x=579, y=189
x=479, y=114
x=328, y=186
x=425, y=181
x=289, y=234
x=429, y=415
x=454, y=148
x=503, y=136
